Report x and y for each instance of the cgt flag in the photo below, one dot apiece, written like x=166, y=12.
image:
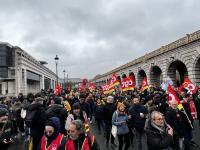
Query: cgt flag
x=91, y=87
x=114, y=81
x=172, y=96
x=144, y=84
x=127, y=84
x=187, y=84
x=107, y=88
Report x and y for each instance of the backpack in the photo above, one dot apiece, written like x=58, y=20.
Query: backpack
x=29, y=119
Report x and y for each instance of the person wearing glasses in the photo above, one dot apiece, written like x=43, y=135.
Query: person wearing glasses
x=52, y=138
x=159, y=134
x=78, y=139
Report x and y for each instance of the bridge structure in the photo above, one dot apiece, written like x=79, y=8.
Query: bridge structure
x=176, y=60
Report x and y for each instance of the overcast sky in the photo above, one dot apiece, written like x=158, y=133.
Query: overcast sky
x=94, y=36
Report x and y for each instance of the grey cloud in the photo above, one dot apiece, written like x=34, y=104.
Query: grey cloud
x=93, y=37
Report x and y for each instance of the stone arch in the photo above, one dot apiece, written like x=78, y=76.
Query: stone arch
x=155, y=75
x=140, y=76
x=119, y=78
x=124, y=76
x=196, y=69
x=177, y=71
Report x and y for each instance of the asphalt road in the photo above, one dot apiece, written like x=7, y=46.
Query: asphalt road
x=21, y=145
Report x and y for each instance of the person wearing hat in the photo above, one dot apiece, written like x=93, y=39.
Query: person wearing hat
x=77, y=113
x=52, y=138
x=56, y=109
x=6, y=129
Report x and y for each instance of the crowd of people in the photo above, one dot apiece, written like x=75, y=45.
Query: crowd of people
x=62, y=122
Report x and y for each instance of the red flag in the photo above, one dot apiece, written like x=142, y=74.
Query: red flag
x=172, y=95
x=114, y=81
x=127, y=84
x=57, y=90
x=107, y=88
x=144, y=84
x=91, y=87
x=187, y=84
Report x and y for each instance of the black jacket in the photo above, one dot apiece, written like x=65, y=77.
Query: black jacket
x=108, y=111
x=38, y=126
x=136, y=121
x=59, y=111
x=6, y=134
x=157, y=140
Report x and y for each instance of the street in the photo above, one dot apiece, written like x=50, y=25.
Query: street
x=20, y=145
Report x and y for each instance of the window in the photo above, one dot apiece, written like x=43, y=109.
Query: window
x=3, y=72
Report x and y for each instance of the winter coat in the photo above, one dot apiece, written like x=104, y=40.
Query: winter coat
x=108, y=111
x=120, y=120
x=98, y=111
x=136, y=121
x=38, y=125
x=59, y=111
x=157, y=140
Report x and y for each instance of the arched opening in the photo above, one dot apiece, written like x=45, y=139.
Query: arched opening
x=119, y=78
x=155, y=76
x=177, y=71
x=124, y=76
x=197, y=72
x=141, y=74
x=132, y=75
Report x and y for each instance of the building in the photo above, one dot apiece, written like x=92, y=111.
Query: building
x=21, y=73
x=175, y=60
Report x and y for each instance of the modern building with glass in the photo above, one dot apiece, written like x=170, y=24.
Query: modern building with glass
x=21, y=73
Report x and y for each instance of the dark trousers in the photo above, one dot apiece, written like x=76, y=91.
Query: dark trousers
x=124, y=139
x=100, y=125
x=108, y=133
x=139, y=135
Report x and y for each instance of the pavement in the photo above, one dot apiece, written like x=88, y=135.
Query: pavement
x=21, y=145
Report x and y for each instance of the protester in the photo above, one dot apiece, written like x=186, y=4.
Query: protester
x=6, y=129
x=78, y=139
x=52, y=138
x=120, y=119
x=159, y=134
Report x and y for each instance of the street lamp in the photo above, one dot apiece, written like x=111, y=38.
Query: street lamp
x=64, y=76
x=56, y=61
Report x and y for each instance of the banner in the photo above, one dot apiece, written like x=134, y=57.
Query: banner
x=107, y=88
x=114, y=81
x=127, y=84
x=144, y=84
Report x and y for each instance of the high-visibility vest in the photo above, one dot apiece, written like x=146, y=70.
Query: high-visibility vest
x=55, y=144
x=85, y=146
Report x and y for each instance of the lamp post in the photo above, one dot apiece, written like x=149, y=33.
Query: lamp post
x=56, y=61
x=64, y=76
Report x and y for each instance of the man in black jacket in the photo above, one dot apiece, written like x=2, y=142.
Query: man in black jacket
x=159, y=134
x=56, y=109
x=138, y=117
x=36, y=122
x=108, y=111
